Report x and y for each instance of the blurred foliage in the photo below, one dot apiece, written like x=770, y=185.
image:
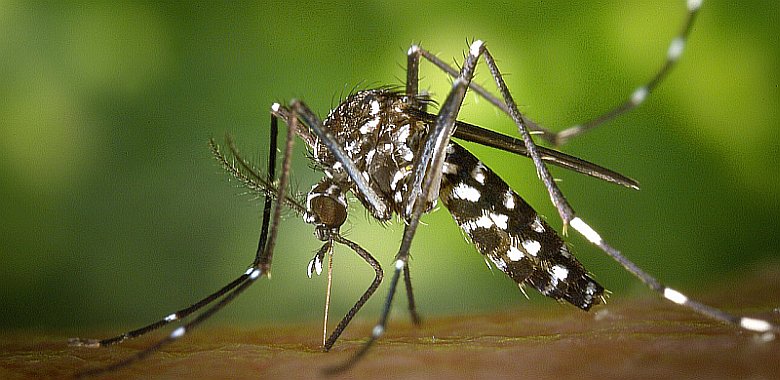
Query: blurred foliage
x=113, y=213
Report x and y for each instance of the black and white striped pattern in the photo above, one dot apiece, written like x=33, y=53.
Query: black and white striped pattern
x=510, y=233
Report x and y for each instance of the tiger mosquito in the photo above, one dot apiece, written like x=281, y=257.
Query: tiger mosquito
x=382, y=146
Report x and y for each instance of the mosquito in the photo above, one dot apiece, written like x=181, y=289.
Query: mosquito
x=384, y=148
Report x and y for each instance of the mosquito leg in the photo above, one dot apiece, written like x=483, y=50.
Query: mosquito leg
x=747, y=323
x=378, y=330
x=556, y=196
x=260, y=266
x=410, y=297
x=560, y=202
x=366, y=295
x=271, y=174
x=412, y=73
x=641, y=93
x=412, y=91
x=180, y=314
x=183, y=313
x=178, y=332
x=428, y=174
x=563, y=207
x=265, y=258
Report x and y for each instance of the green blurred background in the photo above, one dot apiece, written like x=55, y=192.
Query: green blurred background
x=113, y=212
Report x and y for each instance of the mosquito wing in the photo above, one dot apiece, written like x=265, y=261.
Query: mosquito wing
x=479, y=135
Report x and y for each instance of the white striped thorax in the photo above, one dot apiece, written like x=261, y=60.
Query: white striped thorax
x=382, y=140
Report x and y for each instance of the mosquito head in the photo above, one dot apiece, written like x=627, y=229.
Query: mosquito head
x=331, y=215
x=326, y=209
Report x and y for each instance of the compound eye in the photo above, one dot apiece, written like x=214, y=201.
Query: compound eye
x=330, y=212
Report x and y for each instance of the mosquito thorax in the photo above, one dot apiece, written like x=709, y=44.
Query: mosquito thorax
x=378, y=133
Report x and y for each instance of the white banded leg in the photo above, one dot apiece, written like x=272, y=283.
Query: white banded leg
x=747, y=323
x=640, y=94
x=637, y=97
x=260, y=266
